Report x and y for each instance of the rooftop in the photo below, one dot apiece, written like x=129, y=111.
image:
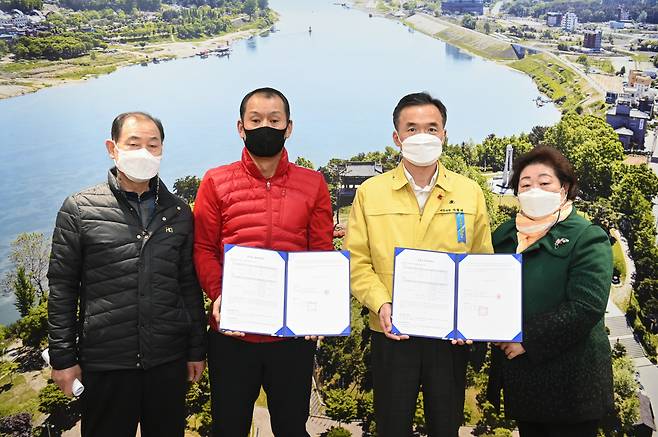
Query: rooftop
x=646, y=413
x=362, y=169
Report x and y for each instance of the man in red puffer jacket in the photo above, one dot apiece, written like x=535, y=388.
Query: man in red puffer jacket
x=267, y=202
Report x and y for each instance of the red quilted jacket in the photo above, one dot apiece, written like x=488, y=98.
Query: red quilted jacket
x=235, y=204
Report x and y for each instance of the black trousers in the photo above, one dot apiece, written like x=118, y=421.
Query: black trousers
x=580, y=429
x=238, y=369
x=115, y=401
x=401, y=368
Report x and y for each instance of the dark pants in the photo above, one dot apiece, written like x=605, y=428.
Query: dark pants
x=238, y=369
x=580, y=429
x=115, y=401
x=401, y=368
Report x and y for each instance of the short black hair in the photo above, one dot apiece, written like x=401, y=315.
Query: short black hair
x=419, y=99
x=120, y=119
x=267, y=92
x=551, y=157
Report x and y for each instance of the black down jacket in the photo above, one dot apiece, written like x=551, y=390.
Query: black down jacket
x=123, y=296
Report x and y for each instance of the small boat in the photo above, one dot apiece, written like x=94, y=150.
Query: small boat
x=309, y=29
x=223, y=51
x=156, y=61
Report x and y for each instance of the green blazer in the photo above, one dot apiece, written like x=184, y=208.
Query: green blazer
x=566, y=373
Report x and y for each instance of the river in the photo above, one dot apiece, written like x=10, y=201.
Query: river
x=343, y=80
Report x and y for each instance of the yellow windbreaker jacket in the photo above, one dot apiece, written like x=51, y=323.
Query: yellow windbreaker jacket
x=385, y=215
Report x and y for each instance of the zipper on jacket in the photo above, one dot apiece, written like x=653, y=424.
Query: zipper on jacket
x=268, y=187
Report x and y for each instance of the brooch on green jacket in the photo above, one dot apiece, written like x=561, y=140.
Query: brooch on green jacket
x=561, y=241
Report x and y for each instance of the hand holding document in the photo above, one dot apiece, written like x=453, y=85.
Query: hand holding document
x=285, y=294
x=457, y=296
x=77, y=387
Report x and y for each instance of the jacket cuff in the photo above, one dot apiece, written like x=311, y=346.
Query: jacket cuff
x=62, y=362
x=377, y=297
x=197, y=353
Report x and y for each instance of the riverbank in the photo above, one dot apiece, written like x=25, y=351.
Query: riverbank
x=564, y=85
x=555, y=77
x=24, y=77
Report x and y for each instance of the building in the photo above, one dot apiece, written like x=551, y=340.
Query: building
x=554, y=19
x=569, y=22
x=623, y=118
x=611, y=97
x=639, y=79
x=645, y=424
x=592, y=39
x=616, y=25
x=351, y=175
x=463, y=7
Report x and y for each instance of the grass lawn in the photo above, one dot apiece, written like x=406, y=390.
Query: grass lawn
x=21, y=397
x=506, y=200
x=472, y=404
x=618, y=261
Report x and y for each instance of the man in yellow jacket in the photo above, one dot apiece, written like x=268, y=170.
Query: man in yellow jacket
x=420, y=205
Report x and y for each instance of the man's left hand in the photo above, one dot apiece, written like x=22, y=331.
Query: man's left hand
x=511, y=350
x=194, y=370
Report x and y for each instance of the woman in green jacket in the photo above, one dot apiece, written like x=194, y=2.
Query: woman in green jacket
x=558, y=381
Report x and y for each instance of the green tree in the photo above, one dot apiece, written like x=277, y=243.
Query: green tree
x=263, y=4
x=627, y=404
x=62, y=411
x=469, y=22
x=601, y=212
x=187, y=187
x=487, y=27
x=24, y=292
x=250, y=7
x=303, y=162
x=33, y=328
x=592, y=147
x=618, y=350
x=647, y=290
x=336, y=432
x=366, y=413
x=31, y=252
x=491, y=153
x=340, y=405
x=640, y=178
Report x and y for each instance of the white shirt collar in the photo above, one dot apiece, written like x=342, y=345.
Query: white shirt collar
x=413, y=184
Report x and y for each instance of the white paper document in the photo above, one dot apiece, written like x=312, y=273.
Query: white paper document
x=457, y=296
x=285, y=294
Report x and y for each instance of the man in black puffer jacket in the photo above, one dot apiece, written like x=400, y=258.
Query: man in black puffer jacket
x=125, y=310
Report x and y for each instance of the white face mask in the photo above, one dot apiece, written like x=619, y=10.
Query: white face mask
x=537, y=203
x=138, y=165
x=422, y=149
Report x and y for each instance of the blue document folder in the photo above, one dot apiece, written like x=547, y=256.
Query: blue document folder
x=285, y=294
x=458, y=296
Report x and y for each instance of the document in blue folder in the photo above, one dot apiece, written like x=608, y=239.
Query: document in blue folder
x=457, y=296
x=287, y=294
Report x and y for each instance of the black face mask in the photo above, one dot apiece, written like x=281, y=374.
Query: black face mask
x=264, y=141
